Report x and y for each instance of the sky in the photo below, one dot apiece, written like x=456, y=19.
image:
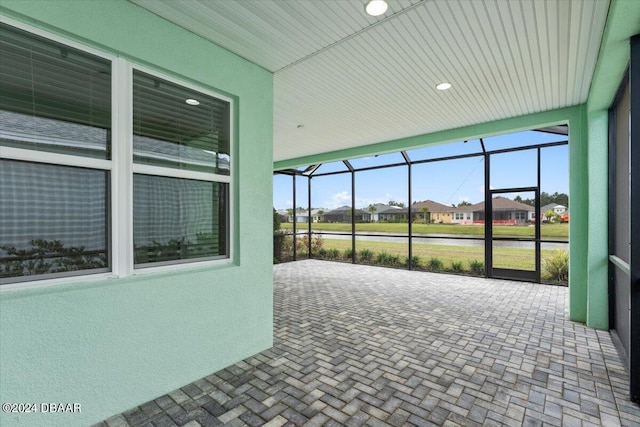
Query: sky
x=448, y=182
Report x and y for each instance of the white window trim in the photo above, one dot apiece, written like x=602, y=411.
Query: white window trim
x=32, y=156
x=122, y=175
x=179, y=173
x=122, y=168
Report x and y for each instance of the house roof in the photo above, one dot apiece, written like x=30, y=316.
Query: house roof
x=305, y=213
x=393, y=210
x=433, y=207
x=498, y=203
x=343, y=210
x=380, y=208
x=504, y=59
x=551, y=206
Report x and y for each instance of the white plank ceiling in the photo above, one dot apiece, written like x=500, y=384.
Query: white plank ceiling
x=350, y=79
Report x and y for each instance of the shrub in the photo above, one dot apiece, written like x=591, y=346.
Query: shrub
x=321, y=253
x=276, y=220
x=383, y=258
x=302, y=244
x=394, y=260
x=333, y=253
x=316, y=243
x=434, y=264
x=456, y=266
x=348, y=254
x=477, y=267
x=278, y=244
x=286, y=247
x=366, y=255
x=555, y=266
x=415, y=261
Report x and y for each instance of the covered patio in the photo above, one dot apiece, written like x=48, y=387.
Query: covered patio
x=148, y=267
x=359, y=345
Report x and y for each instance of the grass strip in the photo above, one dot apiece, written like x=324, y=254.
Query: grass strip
x=549, y=231
x=513, y=258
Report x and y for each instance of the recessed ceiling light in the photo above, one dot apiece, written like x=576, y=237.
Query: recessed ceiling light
x=376, y=7
x=443, y=86
x=192, y=101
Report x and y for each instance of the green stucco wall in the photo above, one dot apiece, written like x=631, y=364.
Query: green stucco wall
x=578, y=225
x=622, y=24
x=598, y=256
x=113, y=344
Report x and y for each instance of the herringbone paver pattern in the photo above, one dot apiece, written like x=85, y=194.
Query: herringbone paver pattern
x=358, y=345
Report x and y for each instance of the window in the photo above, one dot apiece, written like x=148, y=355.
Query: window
x=181, y=151
x=65, y=174
x=55, y=144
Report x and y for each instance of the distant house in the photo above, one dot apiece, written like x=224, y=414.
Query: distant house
x=304, y=216
x=465, y=214
x=508, y=210
x=555, y=207
x=301, y=216
x=379, y=207
x=392, y=214
x=505, y=211
x=343, y=214
x=437, y=212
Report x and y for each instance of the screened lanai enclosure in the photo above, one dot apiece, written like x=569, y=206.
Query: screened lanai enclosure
x=427, y=208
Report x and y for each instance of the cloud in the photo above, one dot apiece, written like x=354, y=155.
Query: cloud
x=339, y=199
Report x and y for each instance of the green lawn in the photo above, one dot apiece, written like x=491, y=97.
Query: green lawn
x=460, y=258
x=520, y=259
x=549, y=231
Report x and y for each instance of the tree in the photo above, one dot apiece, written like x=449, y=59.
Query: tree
x=549, y=214
x=464, y=203
x=278, y=237
x=276, y=220
x=545, y=199
x=530, y=202
x=372, y=209
x=394, y=203
x=425, y=213
x=560, y=198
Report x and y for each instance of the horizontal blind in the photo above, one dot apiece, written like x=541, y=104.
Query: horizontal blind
x=172, y=133
x=53, y=97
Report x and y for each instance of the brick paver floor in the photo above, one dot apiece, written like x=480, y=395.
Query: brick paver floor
x=358, y=345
